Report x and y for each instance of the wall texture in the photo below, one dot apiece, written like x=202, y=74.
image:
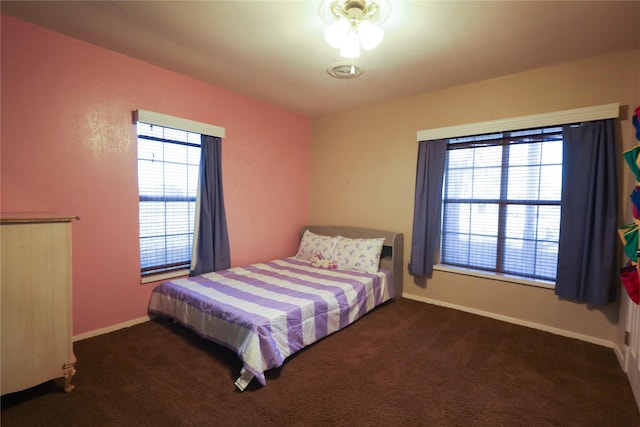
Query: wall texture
x=69, y=146
x=364, y=161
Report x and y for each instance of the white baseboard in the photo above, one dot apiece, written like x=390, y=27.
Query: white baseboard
x=508, y=319
x=111, y=328
x=621, y=355
x=546, y=328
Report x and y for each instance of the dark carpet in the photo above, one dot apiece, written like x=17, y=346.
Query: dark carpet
x=405, y=364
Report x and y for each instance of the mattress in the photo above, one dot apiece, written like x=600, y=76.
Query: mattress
x=266, y=312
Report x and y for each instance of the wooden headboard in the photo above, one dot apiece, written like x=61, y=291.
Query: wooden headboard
x=391, y=258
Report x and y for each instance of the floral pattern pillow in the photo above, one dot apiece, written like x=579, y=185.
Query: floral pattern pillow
x=312, y=243
x=358, y=254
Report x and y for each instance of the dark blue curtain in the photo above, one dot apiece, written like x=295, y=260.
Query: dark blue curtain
x=427, y=209
x=588, y=224
x=210, y=240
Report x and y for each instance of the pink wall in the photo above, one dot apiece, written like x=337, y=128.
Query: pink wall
x=69, y=146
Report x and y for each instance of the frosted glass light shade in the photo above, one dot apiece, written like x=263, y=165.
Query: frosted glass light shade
x=354, y=19
x=370, y=35
x=336, y=33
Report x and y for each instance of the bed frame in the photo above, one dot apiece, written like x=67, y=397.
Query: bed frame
x=391, y=258
x=234, y=308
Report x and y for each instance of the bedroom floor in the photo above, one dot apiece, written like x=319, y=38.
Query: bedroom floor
x=405, y=364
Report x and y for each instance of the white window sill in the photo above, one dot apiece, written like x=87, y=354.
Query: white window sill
x=163, y=276
x=495, y=276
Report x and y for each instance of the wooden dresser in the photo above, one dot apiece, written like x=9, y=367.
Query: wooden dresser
x=35, y=301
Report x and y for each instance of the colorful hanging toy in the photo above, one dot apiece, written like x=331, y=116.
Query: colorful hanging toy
x=636, y=122
x=629, y=233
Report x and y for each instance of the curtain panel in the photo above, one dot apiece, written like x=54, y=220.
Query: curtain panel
x=588, y=229
x=210, y=238
x=427, y=209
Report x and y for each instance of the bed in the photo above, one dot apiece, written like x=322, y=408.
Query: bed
x=265, y=312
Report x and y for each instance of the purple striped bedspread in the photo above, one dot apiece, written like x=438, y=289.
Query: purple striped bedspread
x=266, y=312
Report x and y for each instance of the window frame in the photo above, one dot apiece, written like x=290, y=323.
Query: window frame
x=158, y=272
x=173, y=122
x=555, y=118
x=505, y=141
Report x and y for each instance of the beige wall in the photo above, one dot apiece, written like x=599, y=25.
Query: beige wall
x=363, y=173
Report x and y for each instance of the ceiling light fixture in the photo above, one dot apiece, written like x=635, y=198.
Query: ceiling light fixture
x=352, y=23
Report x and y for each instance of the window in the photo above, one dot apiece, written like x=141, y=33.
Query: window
x=501, y=203
x=168, y=167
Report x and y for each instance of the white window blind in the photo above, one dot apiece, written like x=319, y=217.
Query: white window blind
x=168, y=168
x=501, y=202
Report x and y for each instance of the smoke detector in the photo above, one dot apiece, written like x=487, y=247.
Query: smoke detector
x=345, y=70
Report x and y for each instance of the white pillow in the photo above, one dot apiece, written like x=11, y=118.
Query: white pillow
x=359, y=254
x=312, y=243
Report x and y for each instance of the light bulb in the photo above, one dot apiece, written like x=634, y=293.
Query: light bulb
x=351, y=48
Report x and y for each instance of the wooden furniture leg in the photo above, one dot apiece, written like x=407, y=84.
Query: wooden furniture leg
x=69, y=371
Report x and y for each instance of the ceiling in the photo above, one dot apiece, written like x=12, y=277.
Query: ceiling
x=275, y=50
